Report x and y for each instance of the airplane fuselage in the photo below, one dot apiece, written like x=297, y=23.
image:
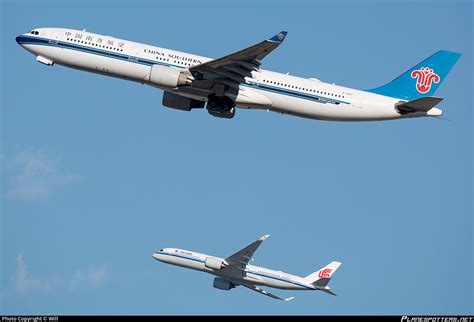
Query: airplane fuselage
x=250, y=275
x=267, y=90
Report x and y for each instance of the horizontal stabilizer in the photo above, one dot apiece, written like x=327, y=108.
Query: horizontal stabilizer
x=423, y=104
x=328, y=290
x=321, y=278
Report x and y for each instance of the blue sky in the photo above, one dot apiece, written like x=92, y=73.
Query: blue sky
x=97, y=175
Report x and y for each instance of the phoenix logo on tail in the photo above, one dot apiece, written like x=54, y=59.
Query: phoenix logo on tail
x=325, y=273
x=425, y=76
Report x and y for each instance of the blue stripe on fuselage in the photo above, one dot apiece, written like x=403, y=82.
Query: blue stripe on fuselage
x=181, y=256
x=284, y=91
x=24, y=40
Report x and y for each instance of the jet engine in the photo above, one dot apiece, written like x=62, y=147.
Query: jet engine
x=169, y=76
x=223, y=284
x=215, y=263
x=181, y=103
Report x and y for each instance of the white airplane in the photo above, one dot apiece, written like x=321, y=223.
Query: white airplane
x=236, y=80
x=235, y=270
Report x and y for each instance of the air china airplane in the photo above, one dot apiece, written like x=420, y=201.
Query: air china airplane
x=235, y=270
x=236, y=80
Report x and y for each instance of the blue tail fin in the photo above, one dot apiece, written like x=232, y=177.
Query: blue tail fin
x=421, y=80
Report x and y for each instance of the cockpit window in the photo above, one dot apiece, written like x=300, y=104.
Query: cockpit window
x=34, y=32
x=161, y=250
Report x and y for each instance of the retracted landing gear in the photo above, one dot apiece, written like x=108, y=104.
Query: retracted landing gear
x=221, y=106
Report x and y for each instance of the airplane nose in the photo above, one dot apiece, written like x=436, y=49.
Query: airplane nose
x=156, y=256
x=19, y=40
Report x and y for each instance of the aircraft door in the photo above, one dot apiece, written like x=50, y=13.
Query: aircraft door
x=53, y=39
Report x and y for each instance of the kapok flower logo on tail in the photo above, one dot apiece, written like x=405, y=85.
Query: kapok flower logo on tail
x=281, y=36
x=425, y=76
x=325, y=273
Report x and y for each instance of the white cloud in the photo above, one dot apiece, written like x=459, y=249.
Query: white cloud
x=21, y=275
x=90, y=278
x=96, y=276
x=24, y=283
x=35, y=174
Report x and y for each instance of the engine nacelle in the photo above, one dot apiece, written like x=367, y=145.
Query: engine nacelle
x=44, y=60
x=223, y=284
x=215, y=263
x=169, y=76
x=181, y=103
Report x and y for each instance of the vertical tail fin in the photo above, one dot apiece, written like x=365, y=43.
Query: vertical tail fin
x=421, y=80
x=322, y=277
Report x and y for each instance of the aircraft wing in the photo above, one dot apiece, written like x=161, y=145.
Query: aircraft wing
x=261, y=291
x=236, y=66
x=244, y=255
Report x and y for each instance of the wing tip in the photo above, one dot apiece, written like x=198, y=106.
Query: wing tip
x=288, y=299
x=264, y=237
x=279, y=37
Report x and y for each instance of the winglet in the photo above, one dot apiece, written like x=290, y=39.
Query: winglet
x=279, y=37
x=264, y=237
x=288, y=299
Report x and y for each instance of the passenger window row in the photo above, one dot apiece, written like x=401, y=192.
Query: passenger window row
x=94, y=44
x=302, y=88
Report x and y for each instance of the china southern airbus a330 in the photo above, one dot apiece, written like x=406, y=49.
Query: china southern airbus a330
x=236, y=80
x=235, y=270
